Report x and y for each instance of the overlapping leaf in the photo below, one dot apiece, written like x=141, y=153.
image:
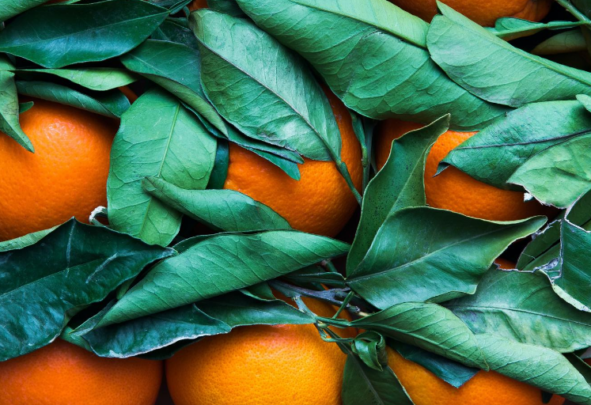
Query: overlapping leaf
x=98, y=79
x=374, y=58
x=9, y=110
x=158, y=137
x=45, y=284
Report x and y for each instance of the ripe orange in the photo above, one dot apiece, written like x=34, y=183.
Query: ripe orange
x=280, y=365
x=484, y=12
x=64, y=374
x=453, y=189
x=320, y=202
x=65, y=177
x=489, y=388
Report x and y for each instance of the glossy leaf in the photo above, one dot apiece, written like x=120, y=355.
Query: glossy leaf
x=363, y=385
x=567, y=164
x=374, y=58
x=9, y=110
x=496, y=71
x=422, y=254
x=224, y=210
x=45, y=284
x=494, y=154
x=176, y=68
x=63, y=35
x=111, y=103
x=398, y=185
x=263, y=89
x=222, y=264
x=176, y=30
x=11, y=8
x=524, y=308
x=537, y=366
x=430, y=327
x=159, y=138
x=98, y=79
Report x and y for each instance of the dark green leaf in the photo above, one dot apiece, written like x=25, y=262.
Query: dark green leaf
x=158, y=137
x=110, y=103
x=9, y=106
x=226, y=6
x=98, y=79
x=537, y=366
x=430, y=327
x=220, y=167
x=422, y=254
x=371, y=349
x=564, y=42
x=45, y=284
x=494, y=70
x=263, y=89
x=176, y=68
x=176, y=30
x=494, y=154
x=567, y=164
x=453, y=373
x=523, y=307
x=398, y=185
x=223, y=210
x=222, y=264
x=363, y=385
x=11, y=8
x=374, y=58
x=62, y=35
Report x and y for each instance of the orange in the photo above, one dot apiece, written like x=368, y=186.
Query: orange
x=65, y=177
x=320, y=202
x=489, y=388
x=453, y=189
x=505, y=264
x=484, y=12
x=280, y=365
x=197, y=4
x=64, y=374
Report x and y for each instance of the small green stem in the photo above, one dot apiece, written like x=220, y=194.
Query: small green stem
x=574, y=11
x=345, y=173
x=345, y=303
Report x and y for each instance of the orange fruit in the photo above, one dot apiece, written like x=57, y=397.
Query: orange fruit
x=320, y=202
x=65, y=177
x=453, y=189
x=197, y=4
x=489, y=388
x=505, y=264
x=64, y=374
x=280, y=365
x=484, y=12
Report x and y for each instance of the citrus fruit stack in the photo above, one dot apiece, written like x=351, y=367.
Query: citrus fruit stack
x=218, y=140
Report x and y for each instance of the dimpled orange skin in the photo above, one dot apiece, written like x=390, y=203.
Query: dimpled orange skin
x=484, y=12
x=259, y=365
x=65, y=177
x=64, y=374
x=454, y=190
x=320, y=202
x=489, y=388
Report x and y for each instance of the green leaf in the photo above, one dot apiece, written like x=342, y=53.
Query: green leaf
x=220, y=166
x=494, y=154
x=374, y=58
x=226, y=6
x=430, y=327
x=364, y=385
x=45, y=284
x=568, y=165
x=98, y=79
x=222, y=264
x=211, y=317
x=176, y=68
x=9, y=106
x=63, y=35
x=371, y=349
x=110, y=103
x=222, y=210
x=24, y=241
x=512, y=28
x=11, y=8
x=492, y=69
x=159, y=138
x=453, y=373
x=400, y=184
x=263, y=89
x=564, y=42
x=176, y=30
x=422, y=254
x=537, y=366
x=523, y=307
